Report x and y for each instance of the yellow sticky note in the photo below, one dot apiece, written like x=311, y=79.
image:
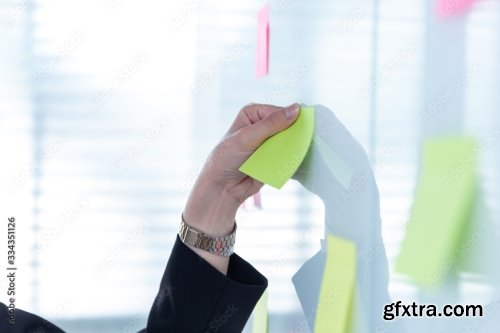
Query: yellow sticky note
x=335, y=304
x=441, y=211
x=279, y=157
x=260, y=324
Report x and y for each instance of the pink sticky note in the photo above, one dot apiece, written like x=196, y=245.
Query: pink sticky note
x=257, y=200
x=263, y=41
x=447, y=8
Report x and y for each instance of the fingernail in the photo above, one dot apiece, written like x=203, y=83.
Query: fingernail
x=291, y=111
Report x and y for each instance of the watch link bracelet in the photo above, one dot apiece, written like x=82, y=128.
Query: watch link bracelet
x=222, y=246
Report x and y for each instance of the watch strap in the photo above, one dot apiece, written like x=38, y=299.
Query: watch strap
x=222, y=246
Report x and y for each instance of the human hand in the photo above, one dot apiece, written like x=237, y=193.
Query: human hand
x=221, y=188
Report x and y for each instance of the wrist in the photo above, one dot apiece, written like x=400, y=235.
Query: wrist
x=210, y=209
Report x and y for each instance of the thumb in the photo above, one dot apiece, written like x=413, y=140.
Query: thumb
x=277, y=121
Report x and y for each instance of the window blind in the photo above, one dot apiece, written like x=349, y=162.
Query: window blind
x=108, y=109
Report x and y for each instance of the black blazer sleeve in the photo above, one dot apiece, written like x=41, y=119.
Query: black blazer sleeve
x=24, y=322
x=196, y=297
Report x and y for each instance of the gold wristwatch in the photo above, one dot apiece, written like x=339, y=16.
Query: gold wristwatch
x=221, y=246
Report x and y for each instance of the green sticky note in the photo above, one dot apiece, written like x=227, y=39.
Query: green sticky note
x=260, y=324
x=279, y=157
x=441, y=212
x=335, y=304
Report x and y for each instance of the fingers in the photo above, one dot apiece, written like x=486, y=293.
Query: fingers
x=251, y=114
x=251, y=137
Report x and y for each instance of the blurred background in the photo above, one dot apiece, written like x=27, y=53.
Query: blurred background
x=109, y=108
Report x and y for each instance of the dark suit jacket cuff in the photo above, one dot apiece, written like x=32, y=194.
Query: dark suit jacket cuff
x=196, y=297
